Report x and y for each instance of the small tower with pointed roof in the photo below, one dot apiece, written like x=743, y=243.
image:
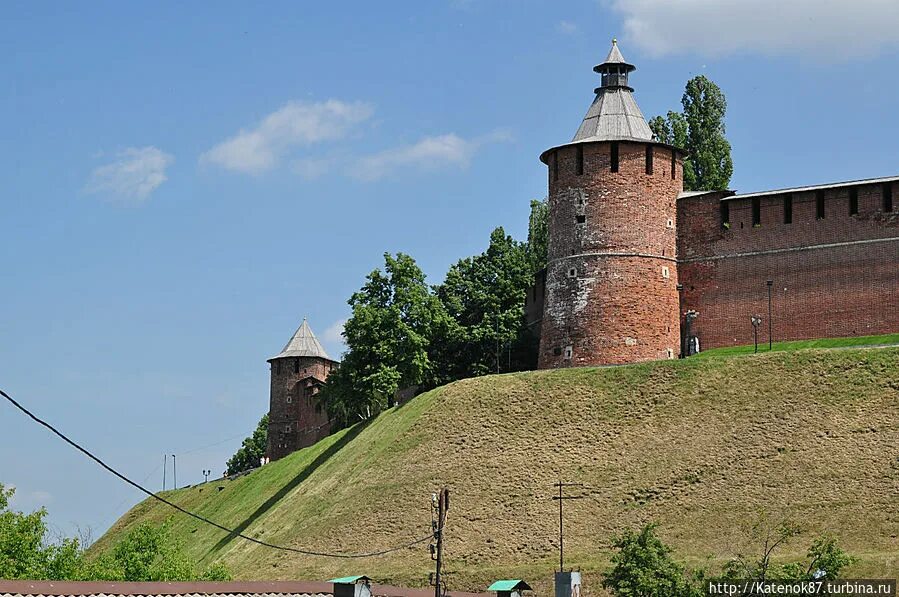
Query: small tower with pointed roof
x=611, y=279
x=296, y=418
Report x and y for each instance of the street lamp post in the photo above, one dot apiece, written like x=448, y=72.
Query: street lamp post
x=756, y=322
x=206, y=474
x=769, y=283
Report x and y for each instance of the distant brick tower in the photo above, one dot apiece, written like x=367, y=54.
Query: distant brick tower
x=296, y=418
x=611, y=280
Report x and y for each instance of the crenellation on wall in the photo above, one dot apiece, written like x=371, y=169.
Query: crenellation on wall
x=630, y=254
x=833, y=276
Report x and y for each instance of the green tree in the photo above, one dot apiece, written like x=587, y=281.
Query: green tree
x=252, y=449
x=642, y=567
x=824, y=557
x=26, y=551
x=700, y=131
x=146, y=553
x=394, y=321
x=538, y=235
x=149, y=553
x=484, y=295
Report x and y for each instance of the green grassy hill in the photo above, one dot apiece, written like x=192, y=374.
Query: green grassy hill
x=699, y=445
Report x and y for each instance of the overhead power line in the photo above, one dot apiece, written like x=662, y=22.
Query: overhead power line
x=233, y=532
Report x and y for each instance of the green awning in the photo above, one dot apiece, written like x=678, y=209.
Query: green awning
x=349, y=580
x=509, y=585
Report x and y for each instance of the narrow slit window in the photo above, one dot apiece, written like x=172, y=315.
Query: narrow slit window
x=580, y=218
x=296, y=365
x=819, y=205
x=888, y=197
x=579, y=157
x=649, y=159
x=853, y=202
x=555, y=167
x=724, y=208
x=756, y=212
x=614, y=157
x=673, y=165
x=788, y=209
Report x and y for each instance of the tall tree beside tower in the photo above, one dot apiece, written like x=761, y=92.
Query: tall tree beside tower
x=394, y=320
x=699, y=130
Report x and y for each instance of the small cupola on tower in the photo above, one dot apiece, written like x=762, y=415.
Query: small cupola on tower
x=614, y=70
x=614, y=114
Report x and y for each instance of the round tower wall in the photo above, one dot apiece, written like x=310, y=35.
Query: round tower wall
x=611, y=285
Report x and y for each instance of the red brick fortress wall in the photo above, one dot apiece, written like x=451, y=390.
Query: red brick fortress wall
x=833, y=276
x=295, y=418
x=611, y=278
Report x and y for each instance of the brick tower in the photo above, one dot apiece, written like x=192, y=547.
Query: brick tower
x=296, y=418
x=611, y=280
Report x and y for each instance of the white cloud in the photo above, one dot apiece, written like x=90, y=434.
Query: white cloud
x=42, y=497
x=136, y=173
x=823, y=30
x=295, y=124
x=566, y=27
x=429, y=153
x=312, y=168
x=333, y=337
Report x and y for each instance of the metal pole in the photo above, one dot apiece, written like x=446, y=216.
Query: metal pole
x=441, y=521
x=683, y=332
x=770, y=341
x=561, y=534
x=562, y=497
x=174, y=474
x=165, y=465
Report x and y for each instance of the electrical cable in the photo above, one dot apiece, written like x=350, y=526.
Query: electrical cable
x=233, y=532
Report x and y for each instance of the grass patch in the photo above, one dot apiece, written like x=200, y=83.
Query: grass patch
x=856, y=341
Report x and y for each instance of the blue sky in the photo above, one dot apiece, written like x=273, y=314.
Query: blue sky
x=182, y=184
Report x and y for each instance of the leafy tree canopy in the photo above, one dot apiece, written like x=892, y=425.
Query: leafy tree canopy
x=252, y=449
x=538, y=235
x=484, y=295
x=26, y=551
x=699, y=130
x=643, y=566
x=394, y=320
x=147, y=553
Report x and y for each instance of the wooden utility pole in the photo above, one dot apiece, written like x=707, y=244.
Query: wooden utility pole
x=442, y=507
x=561, y=498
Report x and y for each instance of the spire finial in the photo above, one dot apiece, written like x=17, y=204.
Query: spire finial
x=614, y=42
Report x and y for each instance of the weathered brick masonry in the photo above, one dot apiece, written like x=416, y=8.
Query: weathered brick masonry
x=611, y=279
x=296, y=418
x=832, y=276
x=622, y=236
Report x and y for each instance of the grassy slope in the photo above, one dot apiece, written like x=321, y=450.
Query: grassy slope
x=698, y=445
